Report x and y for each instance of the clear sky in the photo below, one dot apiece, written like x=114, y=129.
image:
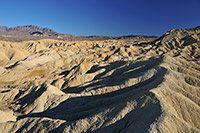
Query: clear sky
x=102, y=17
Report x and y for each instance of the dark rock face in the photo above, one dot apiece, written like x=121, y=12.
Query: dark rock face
x=37, y=33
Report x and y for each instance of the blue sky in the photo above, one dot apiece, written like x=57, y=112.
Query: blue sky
x=102, y=17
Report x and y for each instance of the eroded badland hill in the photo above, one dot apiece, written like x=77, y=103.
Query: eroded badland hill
x=102, y=86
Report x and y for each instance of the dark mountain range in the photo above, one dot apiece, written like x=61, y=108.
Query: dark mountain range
x=27, y=28
x=33, y=32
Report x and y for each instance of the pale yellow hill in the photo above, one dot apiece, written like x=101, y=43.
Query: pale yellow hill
x=101, y=86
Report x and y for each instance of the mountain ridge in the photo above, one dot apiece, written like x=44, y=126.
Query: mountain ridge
x=34, y=32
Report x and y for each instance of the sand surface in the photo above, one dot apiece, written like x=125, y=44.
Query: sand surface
x=101, y=86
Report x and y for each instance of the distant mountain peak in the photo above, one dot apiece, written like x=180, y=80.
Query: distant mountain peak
x=31, y=26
